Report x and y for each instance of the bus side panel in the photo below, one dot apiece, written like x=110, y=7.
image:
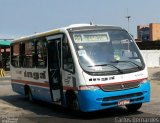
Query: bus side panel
x=39, y=93
x=19, y=88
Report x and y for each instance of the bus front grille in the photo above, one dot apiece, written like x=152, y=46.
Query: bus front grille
x=120, y=86
x=123, y=96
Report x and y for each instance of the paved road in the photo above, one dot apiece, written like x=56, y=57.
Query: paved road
x=15, y=108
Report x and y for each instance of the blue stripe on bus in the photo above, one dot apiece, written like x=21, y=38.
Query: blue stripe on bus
x=92, y=100
x=37, y=92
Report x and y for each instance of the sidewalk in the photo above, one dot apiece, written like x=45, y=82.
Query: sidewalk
x=153, y=106
x=5, y=79
x=154, y=73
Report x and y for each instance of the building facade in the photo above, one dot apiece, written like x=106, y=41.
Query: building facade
x=149, y=32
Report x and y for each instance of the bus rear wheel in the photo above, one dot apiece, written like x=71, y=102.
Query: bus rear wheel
x=133, y=107
x=29, y=94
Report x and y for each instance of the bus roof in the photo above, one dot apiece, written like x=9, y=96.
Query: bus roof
x=73, y=27
x=36, y=35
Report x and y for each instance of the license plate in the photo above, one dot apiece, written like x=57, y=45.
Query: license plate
x=123, y=102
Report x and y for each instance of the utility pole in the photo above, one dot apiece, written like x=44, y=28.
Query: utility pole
x=128, y=18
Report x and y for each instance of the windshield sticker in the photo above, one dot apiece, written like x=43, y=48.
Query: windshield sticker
x=80, y=47
x=117, y=57
x=126, y=44
x=81, y=52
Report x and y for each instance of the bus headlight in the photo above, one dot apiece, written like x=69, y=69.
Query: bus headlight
x=88, y=87
x=144, y=81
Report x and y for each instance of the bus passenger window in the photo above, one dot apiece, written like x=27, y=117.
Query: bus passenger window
x=67, y=58
x=28, y=61
x=41, y=54
x=15, y=55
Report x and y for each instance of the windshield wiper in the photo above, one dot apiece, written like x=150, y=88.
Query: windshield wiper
x=139, y=67
x=119, y=70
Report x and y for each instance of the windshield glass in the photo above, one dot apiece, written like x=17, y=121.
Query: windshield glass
x=109, y=51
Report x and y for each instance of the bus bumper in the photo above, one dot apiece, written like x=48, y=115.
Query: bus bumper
x=93, y=100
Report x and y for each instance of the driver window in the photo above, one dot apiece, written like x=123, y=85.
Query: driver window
x=67, y=57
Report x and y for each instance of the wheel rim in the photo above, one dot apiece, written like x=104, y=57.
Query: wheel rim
x=75, y=105
x=30, y=96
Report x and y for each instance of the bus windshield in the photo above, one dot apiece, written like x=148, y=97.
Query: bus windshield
x=110, y=51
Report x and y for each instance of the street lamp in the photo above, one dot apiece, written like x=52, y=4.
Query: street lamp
x=128, y=18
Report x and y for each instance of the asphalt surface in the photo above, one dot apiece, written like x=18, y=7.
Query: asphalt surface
x=15, y=108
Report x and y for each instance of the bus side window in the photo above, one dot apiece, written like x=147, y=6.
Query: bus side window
x=28, y=61
x=15, y=54
x=68, y=64
x=41, y=54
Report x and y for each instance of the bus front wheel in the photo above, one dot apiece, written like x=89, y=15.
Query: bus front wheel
x=75, y=104
x=133, y=107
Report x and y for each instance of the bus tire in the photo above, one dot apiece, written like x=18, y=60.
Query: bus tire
x=29, y=94
x=133, y=107
x=75, y=104
x=72, y=102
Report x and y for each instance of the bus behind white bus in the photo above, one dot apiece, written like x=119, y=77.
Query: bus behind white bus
x=84, y=67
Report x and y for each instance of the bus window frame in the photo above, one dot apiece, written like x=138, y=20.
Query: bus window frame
x=69, y=51
x=24, y=55
x=41, y=39
x=17, y=56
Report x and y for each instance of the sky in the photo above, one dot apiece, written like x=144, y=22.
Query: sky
x=25, y=17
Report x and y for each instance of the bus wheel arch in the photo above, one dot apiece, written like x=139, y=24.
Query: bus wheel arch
x=28, y=93
x=72, y=100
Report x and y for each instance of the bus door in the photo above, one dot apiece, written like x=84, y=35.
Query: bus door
x=54, y=68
